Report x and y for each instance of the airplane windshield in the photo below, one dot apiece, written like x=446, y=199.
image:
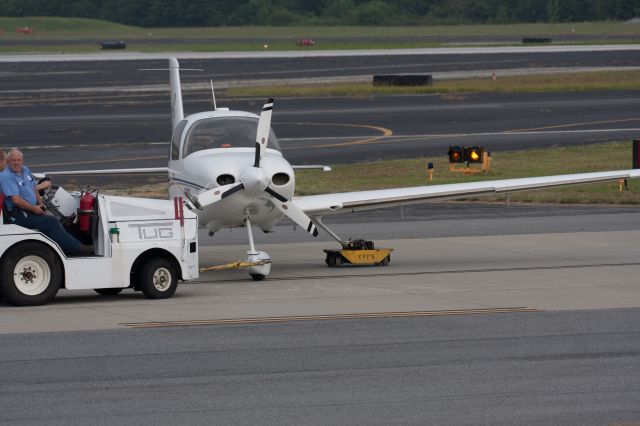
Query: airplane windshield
x=225, y=132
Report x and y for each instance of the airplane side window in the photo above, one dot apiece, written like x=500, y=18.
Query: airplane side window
x=175, y=140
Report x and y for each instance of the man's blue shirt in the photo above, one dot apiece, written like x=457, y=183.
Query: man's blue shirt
x=23, y=184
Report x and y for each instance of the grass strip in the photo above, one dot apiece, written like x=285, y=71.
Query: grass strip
x=504, y=165
x=79, y=34
x=60, y=28
x=556, y=82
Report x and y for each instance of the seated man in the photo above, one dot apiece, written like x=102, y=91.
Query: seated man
x=3, y=161
x=25, y=207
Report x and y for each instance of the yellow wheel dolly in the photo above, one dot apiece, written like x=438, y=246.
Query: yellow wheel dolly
x=358, y=252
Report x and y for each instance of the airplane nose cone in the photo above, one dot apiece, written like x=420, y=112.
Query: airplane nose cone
x=254, y=179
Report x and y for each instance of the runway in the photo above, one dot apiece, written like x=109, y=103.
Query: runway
x=574, y=368
x=327, y=130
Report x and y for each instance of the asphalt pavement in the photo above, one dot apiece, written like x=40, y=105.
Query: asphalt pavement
x=563, y=367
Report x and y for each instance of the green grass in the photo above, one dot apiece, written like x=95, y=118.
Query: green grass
x=56, y=26
x=559, y=82
x=504, y=165
x=282, y=38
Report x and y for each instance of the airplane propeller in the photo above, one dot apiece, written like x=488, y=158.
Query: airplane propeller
x=254, y=180
x=262, y=135
x=293, y=212
x=216, y=194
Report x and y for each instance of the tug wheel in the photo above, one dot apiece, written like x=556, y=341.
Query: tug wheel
x=158, y=278
x=385, y=261
x=258, y=277
x=30, y=275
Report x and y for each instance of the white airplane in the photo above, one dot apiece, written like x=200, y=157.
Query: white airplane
x=229, y=166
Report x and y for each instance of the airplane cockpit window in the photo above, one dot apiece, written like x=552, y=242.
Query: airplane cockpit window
x=175, y=140
x=225, y=132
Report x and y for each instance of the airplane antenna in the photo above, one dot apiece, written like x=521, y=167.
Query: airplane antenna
x=213, y=95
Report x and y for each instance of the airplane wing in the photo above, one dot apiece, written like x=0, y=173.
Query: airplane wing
x=143, y=170
x=320, y=205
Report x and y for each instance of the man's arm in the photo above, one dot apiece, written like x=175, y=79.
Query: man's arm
x=19, y=202
x=45, y=184
x=38, y=197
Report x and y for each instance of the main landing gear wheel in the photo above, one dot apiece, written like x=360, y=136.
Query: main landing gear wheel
x=158, y=278
x=30, y=275
x=108, y=291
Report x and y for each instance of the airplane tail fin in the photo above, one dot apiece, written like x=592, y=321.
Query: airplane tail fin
x=177, y=113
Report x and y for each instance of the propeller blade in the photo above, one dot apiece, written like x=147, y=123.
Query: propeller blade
x=293, y=212
x=216, y=194
x=262, y=135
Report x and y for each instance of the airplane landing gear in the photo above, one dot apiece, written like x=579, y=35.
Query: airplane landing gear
x=260, y=260
x=262, y=265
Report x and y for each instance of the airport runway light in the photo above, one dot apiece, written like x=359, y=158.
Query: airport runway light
x=455, y=154
x=472, y=154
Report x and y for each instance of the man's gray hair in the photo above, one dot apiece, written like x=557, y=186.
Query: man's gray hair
x=13, y=153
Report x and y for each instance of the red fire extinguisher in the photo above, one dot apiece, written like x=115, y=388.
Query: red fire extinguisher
x=84, y=212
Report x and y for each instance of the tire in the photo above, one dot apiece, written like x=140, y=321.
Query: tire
x=386, y=260
x=258, y=277
x=158, y=278
x=334, y=260
x=108, y=291
x=30, y=275
x=331, y=260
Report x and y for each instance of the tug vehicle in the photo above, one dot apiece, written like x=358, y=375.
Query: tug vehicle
x=358, y=252
x=144, y=244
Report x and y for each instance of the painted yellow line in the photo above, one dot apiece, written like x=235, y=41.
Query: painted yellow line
x=383, y=139
x=560, y=126
x=236, y=321
x=111, y=160
x=356, y=142
x=399, y=138
x=383, y=130
x=385, y=133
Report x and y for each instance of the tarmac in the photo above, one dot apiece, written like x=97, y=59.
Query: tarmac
x=427, y=276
